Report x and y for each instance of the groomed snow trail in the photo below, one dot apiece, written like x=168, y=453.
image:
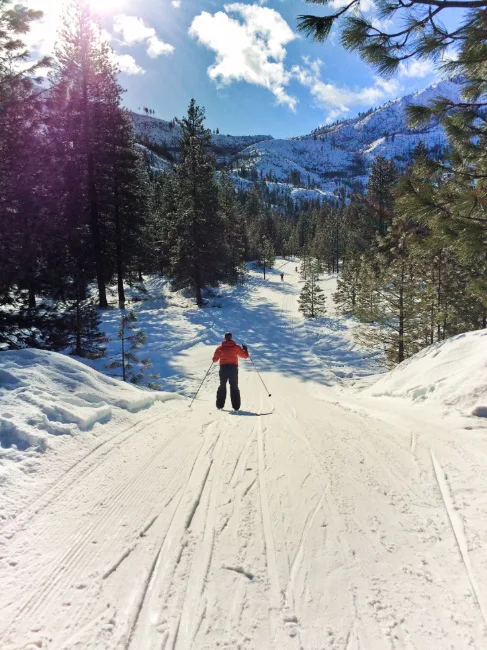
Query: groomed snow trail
x=312, y=520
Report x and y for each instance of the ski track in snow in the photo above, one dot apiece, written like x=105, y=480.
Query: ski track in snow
x=316, y=520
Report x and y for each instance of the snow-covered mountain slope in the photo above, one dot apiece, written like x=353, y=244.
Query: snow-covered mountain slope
x=324, y=161
x=322, y=517
x=168, y=135
x=343, y=153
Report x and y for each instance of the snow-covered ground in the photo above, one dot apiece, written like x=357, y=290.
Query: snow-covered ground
x=340, y=513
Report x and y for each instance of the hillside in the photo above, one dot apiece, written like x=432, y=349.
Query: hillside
x=167, y=135
x=343, y=154
x=322, y=161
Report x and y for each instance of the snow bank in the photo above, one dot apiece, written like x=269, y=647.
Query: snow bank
x=45, y=394
x=452, y=373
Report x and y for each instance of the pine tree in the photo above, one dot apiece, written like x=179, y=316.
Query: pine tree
x=312, y=301
x=266, y=256
x=391, y=285
x=134, y=369
x=88, y=124
x=23, y=195
x=380, y=198
x=448, y=196
x=128, y=192
x=423, y=34
x=235, y=235
x=349, y=287
x=197, y=260
x=80, y=325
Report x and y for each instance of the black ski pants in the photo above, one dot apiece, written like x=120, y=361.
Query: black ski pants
x=228, y=372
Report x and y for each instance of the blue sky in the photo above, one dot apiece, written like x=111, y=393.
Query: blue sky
x=243, y=61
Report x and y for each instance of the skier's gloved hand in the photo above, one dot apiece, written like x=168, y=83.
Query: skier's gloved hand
x=245, y=348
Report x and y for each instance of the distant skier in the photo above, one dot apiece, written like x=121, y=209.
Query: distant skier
x=227, y=354
x=282, y=277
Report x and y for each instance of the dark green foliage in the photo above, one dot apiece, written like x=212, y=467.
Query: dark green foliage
x=379, y=193
x=312, y=301
x=78, y=330
x=74, y=192
x=236, y=238
x=265, y=255
x=197, y=235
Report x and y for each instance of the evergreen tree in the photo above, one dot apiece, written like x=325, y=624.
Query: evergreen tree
x=423, y=34
x=134, y=369
x=349, y=287
x=312, y=301
x=89, y=126
x=79, y=325
x=23, y=196
x=380, y=197
x=390, y=289
x=235, y=235
x=197, y=258
x=266, y=256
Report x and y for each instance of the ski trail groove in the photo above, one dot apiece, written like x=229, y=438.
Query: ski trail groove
x=72, y=475
x=155, y=593
x=458, y=531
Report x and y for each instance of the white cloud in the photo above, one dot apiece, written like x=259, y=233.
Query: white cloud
x=418, y=69
x=156, y=47
x=249, y=42
x=338, y=100
x=133, y=30
x=42, y=35
x=176, y=3
x=128, y=64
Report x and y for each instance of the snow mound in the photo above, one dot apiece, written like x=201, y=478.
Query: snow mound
x=452, y=373
x=46, y=394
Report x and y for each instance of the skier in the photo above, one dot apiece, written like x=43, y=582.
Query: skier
x=228, y=353
x=282, y=277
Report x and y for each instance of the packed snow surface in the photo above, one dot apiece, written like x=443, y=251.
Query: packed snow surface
x=321, y=518
x=452, y=373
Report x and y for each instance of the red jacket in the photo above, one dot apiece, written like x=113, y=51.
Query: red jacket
x=229, y=352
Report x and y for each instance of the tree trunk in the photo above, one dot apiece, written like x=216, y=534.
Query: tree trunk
x=93, y=201
x=199, y=297
x=78, y=350
x=124, y=369
x=400, y=354
x=119, y=246
x=32, y=295
x=440, y=296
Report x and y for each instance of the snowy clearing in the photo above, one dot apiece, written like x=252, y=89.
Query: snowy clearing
x=338, y=514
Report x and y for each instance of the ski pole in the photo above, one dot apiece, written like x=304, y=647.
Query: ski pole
x=201, y=386
x=267, y=390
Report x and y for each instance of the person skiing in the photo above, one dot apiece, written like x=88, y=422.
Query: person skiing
x=227, y=354
x=282, y=277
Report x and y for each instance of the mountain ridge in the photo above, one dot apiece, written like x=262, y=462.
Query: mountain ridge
x=324, y=161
